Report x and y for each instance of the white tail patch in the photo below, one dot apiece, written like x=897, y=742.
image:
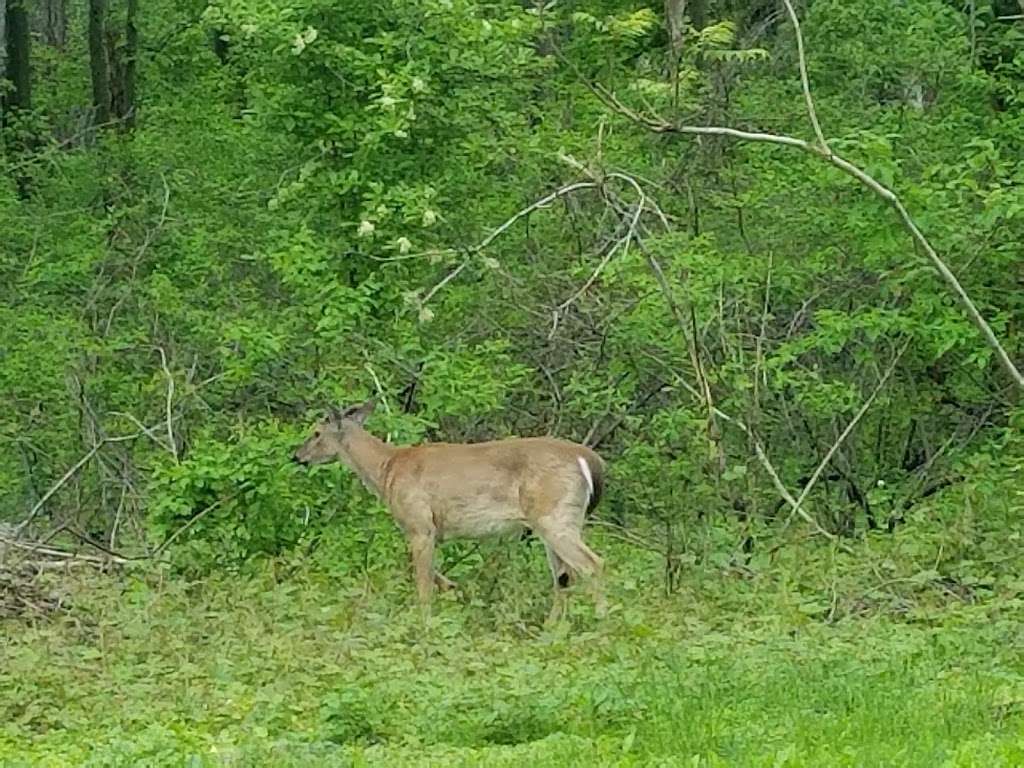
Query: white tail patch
x=586, y=476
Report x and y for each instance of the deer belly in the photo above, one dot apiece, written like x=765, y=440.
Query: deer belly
x=478, y=521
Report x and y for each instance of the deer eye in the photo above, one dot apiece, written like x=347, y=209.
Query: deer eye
x=317, y=433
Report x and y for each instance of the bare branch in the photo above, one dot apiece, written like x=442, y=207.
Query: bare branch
x=67, y=476
x=171, y=444
x=808, y=487
x=624, y=243
x=541, y=203
x=31, y=546
x=804, y=81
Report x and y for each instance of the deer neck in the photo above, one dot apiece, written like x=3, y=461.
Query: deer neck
x=367, y=456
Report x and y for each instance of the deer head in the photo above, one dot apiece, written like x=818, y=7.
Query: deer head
x=331, y=434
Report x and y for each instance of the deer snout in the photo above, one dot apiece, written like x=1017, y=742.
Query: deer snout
x=296, y=459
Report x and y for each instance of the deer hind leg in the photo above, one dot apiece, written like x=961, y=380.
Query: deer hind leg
x=442, y=582
x=562, y=579
x=567, y=545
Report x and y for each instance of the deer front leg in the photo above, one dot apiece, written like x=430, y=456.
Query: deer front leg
x=421, y=547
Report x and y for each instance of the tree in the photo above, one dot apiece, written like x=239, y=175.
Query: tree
x=114, y=63
x=98, y=64
x=51, y=22
x=18, y=43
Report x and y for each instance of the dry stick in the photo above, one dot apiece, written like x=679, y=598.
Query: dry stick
x=759, y=451
x=172, y=446
x=691, y=338
x=42, y=549
x=192, y=521
x=705, y=394
x=67, y=476
x=849, y=428
x=624, y=242
x=658, y=125
x=148, y=432
x=546, y=200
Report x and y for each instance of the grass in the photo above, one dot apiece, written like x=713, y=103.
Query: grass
x=310, y=668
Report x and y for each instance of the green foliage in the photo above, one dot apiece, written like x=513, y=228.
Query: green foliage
x=238, y=498
x=294, y=222
x=811, y=664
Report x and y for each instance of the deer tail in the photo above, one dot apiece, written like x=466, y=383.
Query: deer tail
x=592, y=468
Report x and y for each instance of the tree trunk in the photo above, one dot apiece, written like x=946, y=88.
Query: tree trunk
x=3, y=39
x=51, y=22
x=98, y=65
x=121, y=68
x=131, y=59
x=19, y=43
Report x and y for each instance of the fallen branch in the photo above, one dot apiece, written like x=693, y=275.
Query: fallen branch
x=45, y=549
x=67, y=476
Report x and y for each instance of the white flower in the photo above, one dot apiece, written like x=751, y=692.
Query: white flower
x=404, y=244
x=429, y=218
x=426, y=314
x=366, y=228
x=304, y=38
x=419, y=85
x=491, y=263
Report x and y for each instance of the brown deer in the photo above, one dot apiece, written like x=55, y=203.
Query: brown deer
x=474, y=490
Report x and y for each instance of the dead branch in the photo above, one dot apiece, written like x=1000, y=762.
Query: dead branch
x=169, y=421
x=475, y=250
x=623, y=242
x=804, y=81
x=808, y=487
x=67, y=476
x=43, y=549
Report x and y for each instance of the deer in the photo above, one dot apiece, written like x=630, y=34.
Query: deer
x=438, y=491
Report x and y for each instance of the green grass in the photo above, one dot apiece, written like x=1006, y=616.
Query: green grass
x=314, y=669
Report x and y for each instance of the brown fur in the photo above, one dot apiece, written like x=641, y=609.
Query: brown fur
x=457, y=490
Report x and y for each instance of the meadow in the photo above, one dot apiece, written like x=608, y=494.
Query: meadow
x=802, y=662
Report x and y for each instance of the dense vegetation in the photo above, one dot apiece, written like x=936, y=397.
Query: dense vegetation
x=505, y=219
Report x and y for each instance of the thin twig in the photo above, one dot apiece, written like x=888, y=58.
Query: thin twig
x=193, y=520
x=541, y=203
x=172, y=446
x=809, y=486
x=67, y=476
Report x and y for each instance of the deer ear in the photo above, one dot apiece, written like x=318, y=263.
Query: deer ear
x=334, y=416
x=359, y=414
